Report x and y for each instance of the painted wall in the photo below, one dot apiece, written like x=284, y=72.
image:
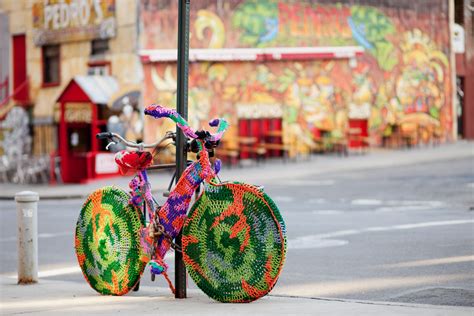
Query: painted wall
x=403, y=75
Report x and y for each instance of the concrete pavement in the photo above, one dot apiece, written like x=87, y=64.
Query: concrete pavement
x=58, y=298
x=376, y=158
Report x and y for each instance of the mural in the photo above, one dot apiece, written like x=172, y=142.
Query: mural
x=402, y=78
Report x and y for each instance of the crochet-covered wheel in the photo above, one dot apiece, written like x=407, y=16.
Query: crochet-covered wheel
x=234, y=242
x=107, y=242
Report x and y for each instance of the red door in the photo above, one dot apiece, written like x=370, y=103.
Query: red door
x=20, y=86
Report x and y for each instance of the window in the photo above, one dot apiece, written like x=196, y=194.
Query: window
x=99, y=68
x=99, y=46
x=459, y=11
x=51, y=75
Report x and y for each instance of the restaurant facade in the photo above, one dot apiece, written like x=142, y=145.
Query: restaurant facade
x=307, y=68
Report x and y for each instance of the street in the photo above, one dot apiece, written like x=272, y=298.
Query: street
x=402, y=234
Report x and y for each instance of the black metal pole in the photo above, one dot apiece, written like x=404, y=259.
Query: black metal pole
x=182, y=108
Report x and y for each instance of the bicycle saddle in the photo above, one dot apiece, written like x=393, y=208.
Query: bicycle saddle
x=133, y=160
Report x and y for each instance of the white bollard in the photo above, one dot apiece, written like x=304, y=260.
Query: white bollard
x=27, y=217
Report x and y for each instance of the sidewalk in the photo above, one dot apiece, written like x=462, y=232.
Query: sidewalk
x=58, y=298
x=268, y=170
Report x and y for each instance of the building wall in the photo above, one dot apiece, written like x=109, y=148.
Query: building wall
x=465, y=65
x=74, y=55
x=404, y=71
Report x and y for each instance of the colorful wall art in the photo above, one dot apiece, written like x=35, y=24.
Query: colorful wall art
x=403, y=76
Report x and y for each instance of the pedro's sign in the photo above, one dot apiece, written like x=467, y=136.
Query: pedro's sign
x=57, y=21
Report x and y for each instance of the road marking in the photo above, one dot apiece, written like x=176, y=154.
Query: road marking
x=387, y=209
x=327, y=212
x=398, y=205
x=309, y=182
x=366, y=202
x=407, y=205
x=307, y=242
x=283, y=199
x=415, y=202
x=326, y=243
x=379, y=229
x=431, y=224
x=42, y=235
x=430, y=262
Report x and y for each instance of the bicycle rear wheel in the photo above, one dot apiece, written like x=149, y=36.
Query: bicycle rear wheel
x=234, y=242
x=107, y=242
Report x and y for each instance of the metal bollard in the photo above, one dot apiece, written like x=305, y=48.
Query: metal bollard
x=27, y=217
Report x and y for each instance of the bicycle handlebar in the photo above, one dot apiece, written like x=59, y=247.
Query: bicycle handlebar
x=158, y=111
x=112, y=136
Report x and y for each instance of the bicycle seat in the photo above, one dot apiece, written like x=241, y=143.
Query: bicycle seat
x=133, y=161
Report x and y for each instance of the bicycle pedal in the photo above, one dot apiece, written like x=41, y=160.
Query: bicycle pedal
x=166, y=194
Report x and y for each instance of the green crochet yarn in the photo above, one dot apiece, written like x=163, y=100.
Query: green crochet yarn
x=108, y=242
x=234, y=242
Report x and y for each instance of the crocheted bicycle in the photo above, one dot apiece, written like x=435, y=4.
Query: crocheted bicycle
x=233, y=238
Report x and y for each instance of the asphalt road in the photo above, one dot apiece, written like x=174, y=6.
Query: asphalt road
x=394, y=234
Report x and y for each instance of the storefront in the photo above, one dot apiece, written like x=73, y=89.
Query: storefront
x=311, y=67
x=82, y=114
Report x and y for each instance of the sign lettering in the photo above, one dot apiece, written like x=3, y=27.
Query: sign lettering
x=57, y=21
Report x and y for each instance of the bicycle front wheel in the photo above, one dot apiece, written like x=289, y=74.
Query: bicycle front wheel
x=107, y=242
x=234, y=242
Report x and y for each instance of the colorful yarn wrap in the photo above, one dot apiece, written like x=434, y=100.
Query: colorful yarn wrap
x=172, y=213
x=234, y=242
x=234, y=239
x=159, y=111
x=107, y=242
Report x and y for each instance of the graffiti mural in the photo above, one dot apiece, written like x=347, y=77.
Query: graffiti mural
x=404, y=75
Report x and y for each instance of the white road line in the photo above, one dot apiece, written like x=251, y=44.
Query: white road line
x=415, y=202
x=42, y=235
x=366, y=202
x=398, y=205
x=431, y=224
x=311, y=241
x=309, y=182
x=283, y=198
x=327, y=212
x=387, y=209
x=430, y=262
x=317, y=201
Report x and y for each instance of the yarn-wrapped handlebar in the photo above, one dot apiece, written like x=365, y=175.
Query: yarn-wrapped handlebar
x=158, y=111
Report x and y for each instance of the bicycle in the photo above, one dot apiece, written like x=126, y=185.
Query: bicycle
x=233, y=238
